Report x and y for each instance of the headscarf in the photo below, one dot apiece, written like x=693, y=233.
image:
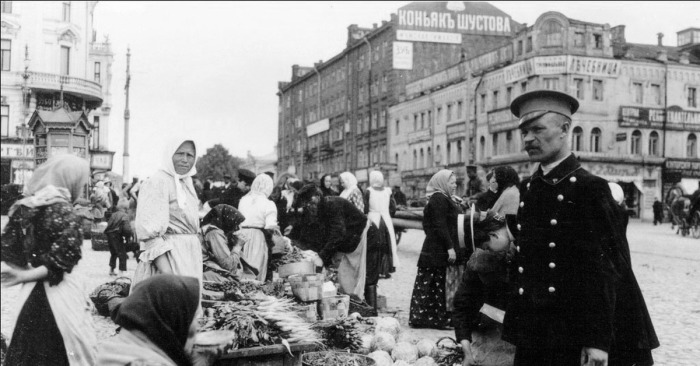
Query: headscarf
x=163, y=308
x=327, y=192
x=182, y=182
x=440, y=183
x=225, y=217
x=60, y=179
x=349, y=183
x=376, y=179
x=262, y=185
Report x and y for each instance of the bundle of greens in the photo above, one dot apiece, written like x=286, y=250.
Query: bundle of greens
x=241, y=317
x=341, y=333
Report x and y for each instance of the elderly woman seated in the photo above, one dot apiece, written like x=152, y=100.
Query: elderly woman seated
x=221, y=249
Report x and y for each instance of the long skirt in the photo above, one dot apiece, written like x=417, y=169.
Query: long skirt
x=183, y=252
x=255, y=251
x=53, y=327
x=452, y=279
x=352, y=268
x=428, y=308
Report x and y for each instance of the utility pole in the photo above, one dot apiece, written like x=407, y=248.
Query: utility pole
x=125, y=172
x=369, y=101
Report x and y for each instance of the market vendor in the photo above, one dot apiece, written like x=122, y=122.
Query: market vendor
x=221, y=250
x=337, y=230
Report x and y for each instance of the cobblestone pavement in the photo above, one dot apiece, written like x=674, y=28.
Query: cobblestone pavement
x=667, y=267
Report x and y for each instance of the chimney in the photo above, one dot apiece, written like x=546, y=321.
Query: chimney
x=618, y=34
x=374, y=26
x=660, y=38
x=384, y=22
x=684, y=58
x=295, y=72
x=662, y=56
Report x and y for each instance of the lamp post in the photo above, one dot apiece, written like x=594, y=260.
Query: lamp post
x=26, y=99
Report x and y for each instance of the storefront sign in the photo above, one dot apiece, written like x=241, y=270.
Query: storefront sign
x=101, y=160
x=501, y=120
x=403, y=56
x=518, y=71
x=440, y=78
x=617, y=173
x=461, y=17
x=434, y=37
x=621, y=136
x=317, y=127
x=678, y=119
x=602, y=67
x=686, y=168
x=8, y=150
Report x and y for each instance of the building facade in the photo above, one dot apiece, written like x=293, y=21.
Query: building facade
x=51, y=60
x=333, y=116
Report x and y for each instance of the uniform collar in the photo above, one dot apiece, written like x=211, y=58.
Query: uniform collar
x=565, y=168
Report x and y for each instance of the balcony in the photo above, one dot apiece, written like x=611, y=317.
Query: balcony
x=86, y=89
x=418, y=136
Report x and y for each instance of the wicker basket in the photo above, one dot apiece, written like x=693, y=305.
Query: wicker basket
x=99, y=241
x=307, y=287
x=335, y=306
x=300, y=268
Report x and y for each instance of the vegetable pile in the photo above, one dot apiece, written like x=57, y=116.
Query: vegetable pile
x=331, y=358
x=241, y=317
x=235, y=290
x=342, y=333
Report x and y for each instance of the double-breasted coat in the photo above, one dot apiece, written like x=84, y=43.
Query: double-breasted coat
x=574, y=285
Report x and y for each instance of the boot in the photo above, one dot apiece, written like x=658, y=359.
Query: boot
x=371, y=296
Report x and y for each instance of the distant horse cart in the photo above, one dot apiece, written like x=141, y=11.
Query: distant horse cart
x=679, y=208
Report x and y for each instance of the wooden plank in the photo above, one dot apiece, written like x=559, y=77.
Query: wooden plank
x=270, y=350
x=407, y=224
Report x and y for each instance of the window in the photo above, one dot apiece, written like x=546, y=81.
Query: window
x=482, y=147
x=595, y=140
x=597, y=89
x=430, y=119
x=692, y=97
x=422, y=159
x=692, y=146
x=509, y=142
x=385, y=83
x=449, y=113
x=6, y=53
x=96, y=132
x=415, y=122
x=460, y=109
x=7, y=7
x=579, y=40
x=656, y=94
x=66, y=11
x=397, y=127
x=422, y=121
x=396, y=159
x=523, y=87
x=578, y=85
x=576, y=139
x=98, y=71
x=429, y=161
x=5, y=121
x=654, y=143
x=438, y=115
x=415, y=159
x=65, y=60
x=482, y=103
x=637, y=92
x=449, y=153
x=494, y=144
x=552, y=33
x=459, y=151
x=551, y=83
x=509, y=95
x=494, y=101
x=635, y=147
x=520, y=47
x=598, y=41
x=528, y=45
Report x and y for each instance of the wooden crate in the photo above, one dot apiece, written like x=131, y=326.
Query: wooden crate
x=275, y=355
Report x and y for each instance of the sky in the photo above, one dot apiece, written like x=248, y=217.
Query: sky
x=208, y=71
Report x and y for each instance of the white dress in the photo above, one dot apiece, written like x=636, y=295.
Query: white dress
x=379, y=201
x=260, y=214
x=163, y=228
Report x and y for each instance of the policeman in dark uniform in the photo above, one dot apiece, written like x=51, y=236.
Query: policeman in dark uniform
x=576, y=300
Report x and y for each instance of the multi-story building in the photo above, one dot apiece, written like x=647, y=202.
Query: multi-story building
x=333, y=116
x=637, y=125
x=51, y=60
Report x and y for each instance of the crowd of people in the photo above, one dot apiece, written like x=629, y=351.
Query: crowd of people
x=546, y=256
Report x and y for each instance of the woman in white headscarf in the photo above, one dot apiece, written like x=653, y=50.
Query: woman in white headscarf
x=259, y=225
x=167, y=217
x=350, y=191
x=41, y=246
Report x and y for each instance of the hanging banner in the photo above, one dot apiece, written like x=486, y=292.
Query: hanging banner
x=403, y=55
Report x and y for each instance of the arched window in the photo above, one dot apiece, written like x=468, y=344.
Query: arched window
x=460, y=157
x=654, y=143
x=449, y=153
x=576, y=139
x=396, y=159
x=438, y=155
x=421, y=164
x=595, y=139
x=494, y=146
x=552, y=31
x=482, y=147
x=429, y=162
x=692, y=146
x=415, y=159
x=636, y=143
x=509, y=142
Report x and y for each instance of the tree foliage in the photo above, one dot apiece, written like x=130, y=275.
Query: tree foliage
x=217, y=162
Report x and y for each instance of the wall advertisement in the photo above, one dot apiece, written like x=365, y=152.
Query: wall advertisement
x=553, y=65
x=455, y=17
x=676, y=119
x=403, y=56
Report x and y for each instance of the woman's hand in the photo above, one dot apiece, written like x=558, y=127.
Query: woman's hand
x=468, y=355
x=452, y=255
x=11, y=275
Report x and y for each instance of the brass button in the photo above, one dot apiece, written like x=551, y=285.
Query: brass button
x=521, y=290
x=553, y=222
x=518, y=248
x=522, y=204
x=519, y=226
x=572, y=179
x=560, y=198
x=552, y=245
x=552, y=289
x=528, y=186
x=520, y=269
x=552, y=265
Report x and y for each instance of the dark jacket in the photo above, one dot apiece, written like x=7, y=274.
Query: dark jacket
x=119, y=223
x=574, y=285
x=339, y=228
x=440, y=227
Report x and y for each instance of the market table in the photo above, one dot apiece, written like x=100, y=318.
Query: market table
x=274, y=355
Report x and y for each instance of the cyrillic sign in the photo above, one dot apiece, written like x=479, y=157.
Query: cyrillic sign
x=440, y=78
x=403, y=56
x=17, y=150
x=501, y=120
x=435, y=37
x=466, y=18
x=678, y=119
x=317, y=127
x=687, y=168
x=553, y=65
